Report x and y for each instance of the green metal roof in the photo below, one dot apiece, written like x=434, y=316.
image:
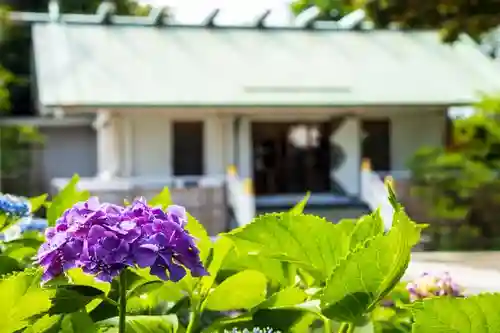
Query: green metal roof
x=91, y=65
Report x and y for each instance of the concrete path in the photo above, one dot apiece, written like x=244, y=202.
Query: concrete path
x=475, y=271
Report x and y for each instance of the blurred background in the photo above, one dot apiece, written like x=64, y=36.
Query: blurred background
x=242, y=107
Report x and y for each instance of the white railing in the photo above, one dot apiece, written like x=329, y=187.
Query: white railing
x=240, y=197
x=131, y=183
x=375, y=194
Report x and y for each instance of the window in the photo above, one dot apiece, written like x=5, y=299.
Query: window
x=188, y=148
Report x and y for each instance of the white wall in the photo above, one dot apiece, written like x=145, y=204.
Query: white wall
x=68, y=150
x=150, y=143
x=413, y=131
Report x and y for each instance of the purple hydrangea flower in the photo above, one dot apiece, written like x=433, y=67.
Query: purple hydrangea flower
x=165, y=246
x=58, y=254
x=432, y=285
x=103, y=239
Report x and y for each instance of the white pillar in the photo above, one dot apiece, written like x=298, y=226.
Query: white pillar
x=128, y=146
x=245, y=153
x=108, y=154
x=348, y=138
x=228, y=141
x=213, y=147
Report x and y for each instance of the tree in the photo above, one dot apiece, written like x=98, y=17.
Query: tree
x=462, y=182
x=16, y=95
x=452, y=17
x=15, y=45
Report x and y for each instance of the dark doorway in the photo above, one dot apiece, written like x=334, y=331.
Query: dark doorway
x=376, y=147
x=188, y=148
x=291, y=157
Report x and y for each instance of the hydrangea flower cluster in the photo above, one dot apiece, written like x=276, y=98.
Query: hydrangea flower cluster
x=431, y=286
x=103, y=239
x=14, y=206
x=26, y=224
x=254, y=330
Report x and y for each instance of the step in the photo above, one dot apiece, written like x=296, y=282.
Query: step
x=331, y=213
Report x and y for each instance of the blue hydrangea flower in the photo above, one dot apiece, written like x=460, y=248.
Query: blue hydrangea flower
x=24, y=225
x=14, y=206
x=32, y=224
x=103, y=239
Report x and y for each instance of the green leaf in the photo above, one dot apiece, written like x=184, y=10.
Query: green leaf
x=37, y=202
x=6, y=222
x=46, y=324
x=163, y=199
x=22, y=299
x=167, y=290
x=148, y=294
x=142, y=324
x=203, y=241
x=367, y=227
x=66, y=198
x=23, y=249
x=284, y=298
x=273, y=269
x=459, y=315
x=288, y=317
x=299, y=207
x=73, y=298
x=243, y=290
x=8, y=265
x=389, y=184
x=221, y=248
x=310, y=241
x=154, y=296
x=369, y=273
x=78, y=277
x=78, y=322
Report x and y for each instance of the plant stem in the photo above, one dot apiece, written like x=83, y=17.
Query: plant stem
x=193, y=322
x=347, y=328
x=109, y=300
x=122, y=302
x=327, y=327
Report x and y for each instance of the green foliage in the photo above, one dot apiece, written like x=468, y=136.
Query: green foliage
x=370, y=272
x=267, y=234
x=460, y=183
x=469, y=315
x=142, y=324
x=290, y=271
x=5, y=79
x=241, y=291
x=73, y=298
x=450, y=17
x=299, y=207
x=68, y=196
x=38, y=202
x=16, y=154
x=22, y=299
x=393, y=314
